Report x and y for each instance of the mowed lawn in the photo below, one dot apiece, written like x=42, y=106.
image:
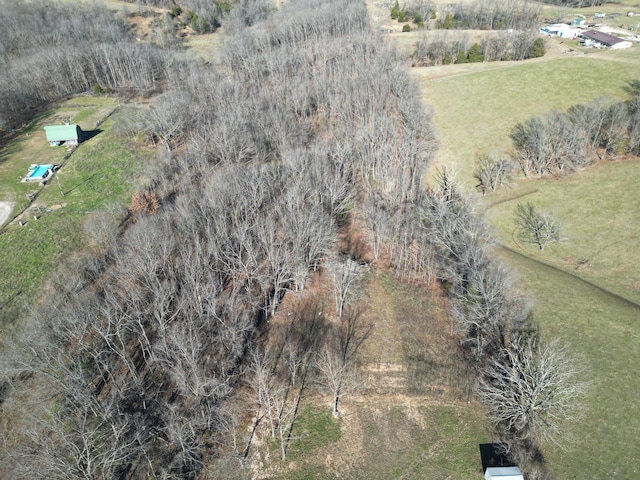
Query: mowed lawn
x=99, y=174
x=476, y=105
x=585, y=290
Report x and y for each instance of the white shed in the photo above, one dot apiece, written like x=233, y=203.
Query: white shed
x=503, y=473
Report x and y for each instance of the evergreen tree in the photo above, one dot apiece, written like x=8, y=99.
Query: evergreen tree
x=395, y=10
x=537, y=49
x=475, y=54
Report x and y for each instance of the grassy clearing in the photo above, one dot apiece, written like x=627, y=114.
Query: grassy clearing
x=99, y=173
x=603, y=330
x=476, y=106
x=316, y=429
x=410, y=418
x=599, y=210
x=207, y=46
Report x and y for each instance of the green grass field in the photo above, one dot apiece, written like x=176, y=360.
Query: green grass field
x=598, y=209
x=475, y=106
x=101, y=172
x=604, y=331
x=585, y=290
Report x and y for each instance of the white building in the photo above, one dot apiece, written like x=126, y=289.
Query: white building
x=560, y=30
x=503, y=473
x=603, y=40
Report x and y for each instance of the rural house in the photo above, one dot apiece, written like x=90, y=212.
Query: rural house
x=560, y=30
x=63, y=134
x=593, y=38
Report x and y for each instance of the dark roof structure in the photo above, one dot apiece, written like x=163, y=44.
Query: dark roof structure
x=601, y=37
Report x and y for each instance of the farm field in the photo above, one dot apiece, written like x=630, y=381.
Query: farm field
x=476, y=105
x=98, y=176
x=585, y=290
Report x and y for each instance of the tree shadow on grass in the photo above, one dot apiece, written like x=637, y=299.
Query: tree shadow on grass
x=632, y=88
x=85, y=181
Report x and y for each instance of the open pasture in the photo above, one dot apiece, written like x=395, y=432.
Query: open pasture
x=585, y=290
x=476, y=105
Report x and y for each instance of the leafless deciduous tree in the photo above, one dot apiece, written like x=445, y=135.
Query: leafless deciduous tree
x=337, y=359
x=532, y=389
x=491, y=172
x=537, y=226
x=344, y=275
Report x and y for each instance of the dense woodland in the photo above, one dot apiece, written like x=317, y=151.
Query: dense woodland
x=49, y=52
x=301, y=154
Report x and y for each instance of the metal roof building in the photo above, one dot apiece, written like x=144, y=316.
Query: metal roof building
x=67, y=134
x=605, y=40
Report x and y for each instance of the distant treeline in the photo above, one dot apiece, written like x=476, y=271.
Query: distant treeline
x=558, y=143
x=490, y=15
x=444, y=47
x=54, y=49
x=576, y=3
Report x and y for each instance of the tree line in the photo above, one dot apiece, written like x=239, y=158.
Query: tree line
x=444, y=47
x=50, y=50
x=558, y=143
x=491, y=15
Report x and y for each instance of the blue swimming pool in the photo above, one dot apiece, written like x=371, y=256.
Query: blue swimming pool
x=39, y=171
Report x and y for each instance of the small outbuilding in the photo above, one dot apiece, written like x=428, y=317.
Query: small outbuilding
x=603, y=40
x=496, y=463
x=69, y=135
x=503, y=473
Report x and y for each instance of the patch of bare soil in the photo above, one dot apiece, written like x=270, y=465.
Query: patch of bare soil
x=5, y=211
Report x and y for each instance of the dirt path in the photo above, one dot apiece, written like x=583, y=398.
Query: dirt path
x=5, y=211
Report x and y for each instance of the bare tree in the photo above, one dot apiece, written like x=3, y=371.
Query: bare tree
x=337, y=361
x=532, y=390
x=344, y=275
x=491, y=172
x=537, y=226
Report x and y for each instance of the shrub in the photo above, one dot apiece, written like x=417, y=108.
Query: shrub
x=462, y=57
x=406, y=28
x=447, y=23
x=144, y=202
x=537, y=49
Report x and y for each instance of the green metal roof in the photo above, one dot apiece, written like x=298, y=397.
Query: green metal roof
x=61, y=133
